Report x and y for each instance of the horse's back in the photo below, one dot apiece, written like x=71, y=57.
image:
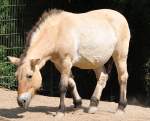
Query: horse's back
x=95, y=35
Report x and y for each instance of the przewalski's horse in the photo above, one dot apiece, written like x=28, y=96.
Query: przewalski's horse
x=86, y=40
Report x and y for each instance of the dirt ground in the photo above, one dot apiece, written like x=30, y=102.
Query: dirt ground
x=44, y=108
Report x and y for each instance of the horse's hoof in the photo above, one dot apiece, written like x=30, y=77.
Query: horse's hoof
x=119, y=112
x=59, y=115
x=78, y=111
x=92, y=109
x=77, y=103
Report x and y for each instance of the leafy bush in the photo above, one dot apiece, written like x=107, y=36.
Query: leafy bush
x=7, y=78
x=4, y=10
x=7, y=70
x=10, y=44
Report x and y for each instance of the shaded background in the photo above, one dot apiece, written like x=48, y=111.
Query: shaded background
x=26, y=13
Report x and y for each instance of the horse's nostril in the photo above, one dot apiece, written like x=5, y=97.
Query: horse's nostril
x=19, y=103
x=24, y=101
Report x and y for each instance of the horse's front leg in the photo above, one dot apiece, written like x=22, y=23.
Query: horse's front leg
x=64, y=81
x=77, y=101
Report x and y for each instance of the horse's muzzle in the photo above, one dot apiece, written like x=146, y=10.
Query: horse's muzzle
x=24, y=100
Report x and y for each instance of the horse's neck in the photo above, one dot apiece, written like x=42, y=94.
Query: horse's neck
x=32, y=53
x=40, y=51
x=42, y=44
x=35, y=54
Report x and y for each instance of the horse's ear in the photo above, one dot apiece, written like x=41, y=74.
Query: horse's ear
x=14, y=60
x=34, y=62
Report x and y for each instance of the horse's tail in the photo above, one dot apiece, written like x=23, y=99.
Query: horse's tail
x=109, y=65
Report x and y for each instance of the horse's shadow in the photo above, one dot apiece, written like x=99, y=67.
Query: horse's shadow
x=17, y=112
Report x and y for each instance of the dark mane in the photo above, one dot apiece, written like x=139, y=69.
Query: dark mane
x=44, y=16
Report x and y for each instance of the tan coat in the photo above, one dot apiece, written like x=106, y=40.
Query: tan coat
x=86, y=40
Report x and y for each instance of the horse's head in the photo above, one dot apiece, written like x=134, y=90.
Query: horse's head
x=29, y=79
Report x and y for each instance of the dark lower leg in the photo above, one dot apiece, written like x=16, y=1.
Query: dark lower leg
x=77, y=101
x=122, y=104
x=64, y=81
x=122, y=77
x=94, y=101
x=102, y=78
x=62, y=97
x=123, y=101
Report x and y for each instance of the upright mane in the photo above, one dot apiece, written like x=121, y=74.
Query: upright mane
x=44, y=16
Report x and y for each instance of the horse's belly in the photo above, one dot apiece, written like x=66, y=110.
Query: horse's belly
x=91, y=57
x=91, y=61
x=95, y=48
x=83, y=63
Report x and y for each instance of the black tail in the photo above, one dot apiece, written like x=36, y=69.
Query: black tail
x=109, y=65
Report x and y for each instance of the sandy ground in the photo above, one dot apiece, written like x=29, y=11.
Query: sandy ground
x=44, y=108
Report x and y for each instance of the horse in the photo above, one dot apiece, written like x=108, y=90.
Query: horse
x=84, y=40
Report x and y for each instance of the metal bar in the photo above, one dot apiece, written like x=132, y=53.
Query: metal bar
x=9, y=34
x=11, y=38
x=21, y=5
x=1, y=77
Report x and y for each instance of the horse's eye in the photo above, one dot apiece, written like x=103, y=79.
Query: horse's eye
x=29, y=76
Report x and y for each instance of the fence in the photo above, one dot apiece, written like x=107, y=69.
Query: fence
x=16, y=19
x=11, y=39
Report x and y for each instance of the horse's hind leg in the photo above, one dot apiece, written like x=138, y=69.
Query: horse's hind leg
x=120, y=55
x=73, y=90
x=122, y=77
x=120, y=60
x=102, y=78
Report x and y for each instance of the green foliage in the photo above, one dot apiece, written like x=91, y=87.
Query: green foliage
x=11, y=40
x=7, y=26
x=4, y=10
x=7, y=70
